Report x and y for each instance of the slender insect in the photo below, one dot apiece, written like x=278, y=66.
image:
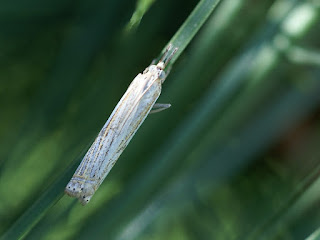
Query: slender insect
x=132, y=109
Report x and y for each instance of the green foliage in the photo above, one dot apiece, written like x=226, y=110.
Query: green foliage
x=235, y=157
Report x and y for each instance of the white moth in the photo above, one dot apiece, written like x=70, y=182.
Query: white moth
x=132, y=109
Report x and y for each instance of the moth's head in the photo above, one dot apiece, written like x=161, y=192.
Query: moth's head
x=157, y=71
x=161, y=65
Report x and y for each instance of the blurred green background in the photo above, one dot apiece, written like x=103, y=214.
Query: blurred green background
x=237, y=156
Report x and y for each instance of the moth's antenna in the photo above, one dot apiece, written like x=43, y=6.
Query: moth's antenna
x=165, y=53
x=167, y=56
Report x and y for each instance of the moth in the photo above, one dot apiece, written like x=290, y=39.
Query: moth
x=128, y=115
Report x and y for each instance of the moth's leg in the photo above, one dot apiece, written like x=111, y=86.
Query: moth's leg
x=158, y=107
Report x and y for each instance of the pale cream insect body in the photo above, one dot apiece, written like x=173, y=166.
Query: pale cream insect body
x=124, y=121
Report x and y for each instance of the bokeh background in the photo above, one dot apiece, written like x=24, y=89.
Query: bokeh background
x=237, y=156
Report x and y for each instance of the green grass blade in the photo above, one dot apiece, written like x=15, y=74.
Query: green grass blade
x=40, y=207
x=191, y=26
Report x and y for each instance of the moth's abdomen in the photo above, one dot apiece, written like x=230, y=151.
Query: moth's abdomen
x=83, y=189
x=73, y=188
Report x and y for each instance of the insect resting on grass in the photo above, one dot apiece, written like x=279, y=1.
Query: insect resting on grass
x=132, y=109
